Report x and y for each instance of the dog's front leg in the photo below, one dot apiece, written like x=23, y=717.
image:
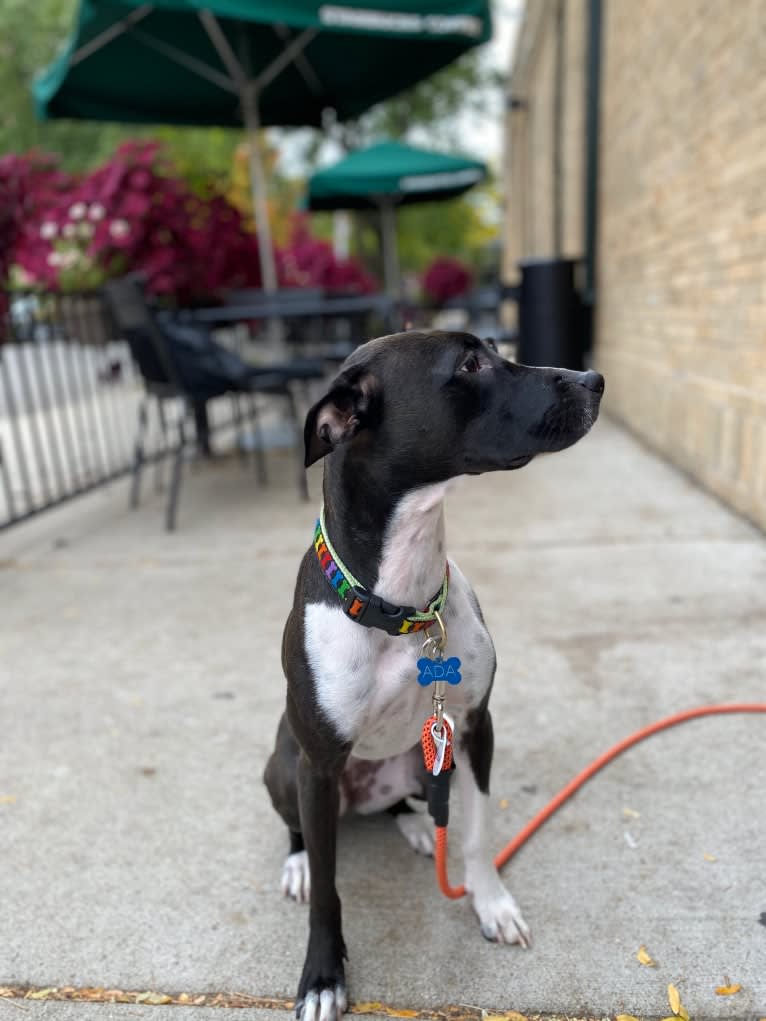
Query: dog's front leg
x=499, y=915
x=322, y=989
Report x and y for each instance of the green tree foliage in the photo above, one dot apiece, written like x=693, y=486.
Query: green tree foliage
x=203, y=156
x=431, y=107
x=457, y=227
x=30, y=34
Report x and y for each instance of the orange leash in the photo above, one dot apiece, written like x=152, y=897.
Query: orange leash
x=440, y=854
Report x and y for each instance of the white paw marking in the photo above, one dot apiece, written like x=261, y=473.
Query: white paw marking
x=500, y=917
x=296, y=878
x=328, y=1005
x=417, y=829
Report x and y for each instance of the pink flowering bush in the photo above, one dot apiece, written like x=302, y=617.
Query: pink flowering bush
x=65, y=232
x=22, y=179
x=445, y=278
x=132, y=213
x=310, y=262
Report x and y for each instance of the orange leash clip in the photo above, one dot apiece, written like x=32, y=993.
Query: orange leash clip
x=437, y=748
x=437, y=756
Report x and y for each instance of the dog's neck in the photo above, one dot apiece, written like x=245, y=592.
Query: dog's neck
x=392, y=542
x=413, y=556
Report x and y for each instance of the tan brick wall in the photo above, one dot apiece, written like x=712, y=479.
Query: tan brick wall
x=681, y=330
x=530, y=133
x=573, y=176
x=681, y=327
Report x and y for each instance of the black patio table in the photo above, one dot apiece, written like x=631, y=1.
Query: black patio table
x=294, y=307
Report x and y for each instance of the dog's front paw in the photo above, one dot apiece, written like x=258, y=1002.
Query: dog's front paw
x=322, y=989
x=418, y=830
x=324, y=1005
x=296, y=876
x=499, y=915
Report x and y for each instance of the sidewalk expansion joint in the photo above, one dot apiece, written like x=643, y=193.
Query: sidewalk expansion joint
x=98, y=994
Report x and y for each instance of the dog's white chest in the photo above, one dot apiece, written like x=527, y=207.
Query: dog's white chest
x=397, y=704
x=366, y=681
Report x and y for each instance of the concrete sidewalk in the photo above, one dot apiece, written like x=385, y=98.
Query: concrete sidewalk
x=141, y=687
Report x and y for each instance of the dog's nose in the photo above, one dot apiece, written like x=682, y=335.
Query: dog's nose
x=592, y=381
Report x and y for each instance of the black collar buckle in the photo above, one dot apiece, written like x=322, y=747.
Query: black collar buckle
x=370, y=610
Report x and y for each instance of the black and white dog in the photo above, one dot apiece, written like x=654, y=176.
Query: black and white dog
x=406, y=414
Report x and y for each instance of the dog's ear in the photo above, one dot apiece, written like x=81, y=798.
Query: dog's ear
x=350, y=406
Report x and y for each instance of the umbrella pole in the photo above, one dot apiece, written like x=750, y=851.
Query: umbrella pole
x=258, y=189
x=390, y=248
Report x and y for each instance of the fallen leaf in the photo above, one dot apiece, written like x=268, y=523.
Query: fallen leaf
x=729, y=990
x=39, y=994
x=378, y=1008
x=674, y=999
x=7, y=799
x=504, y=803
x=153, y=998
x=631, y=813
x=509, y=1015
x=95, y=993
x=625, y=1017
x=645, y=958
x=709, y=857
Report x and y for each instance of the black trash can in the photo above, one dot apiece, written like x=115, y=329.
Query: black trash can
x=551, y=321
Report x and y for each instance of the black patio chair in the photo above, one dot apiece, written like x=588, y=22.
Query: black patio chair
x=181, y=361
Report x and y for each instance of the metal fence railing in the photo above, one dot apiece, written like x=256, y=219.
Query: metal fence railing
x=71, y=397
x=69, y=402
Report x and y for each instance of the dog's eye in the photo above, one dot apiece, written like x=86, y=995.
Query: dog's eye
x=471, y=364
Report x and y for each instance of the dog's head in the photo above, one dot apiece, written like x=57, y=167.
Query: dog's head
x=424, y=407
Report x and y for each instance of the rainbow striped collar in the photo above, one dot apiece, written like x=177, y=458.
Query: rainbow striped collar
x=363, y=606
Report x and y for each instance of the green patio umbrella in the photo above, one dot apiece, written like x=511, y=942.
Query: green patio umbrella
x=251, y=62
x=388, y=175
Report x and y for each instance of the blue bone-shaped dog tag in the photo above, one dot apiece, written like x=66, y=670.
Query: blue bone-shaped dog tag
x=439, y=670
